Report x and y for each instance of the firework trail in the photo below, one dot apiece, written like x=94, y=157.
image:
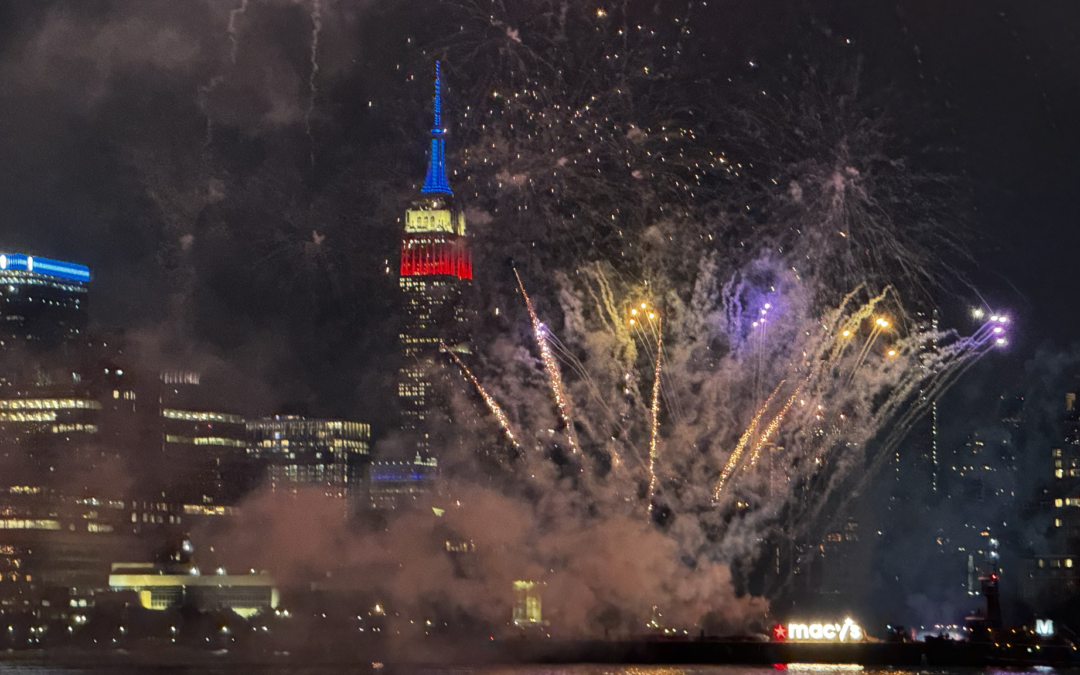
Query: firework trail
x=733, y=460
x=596, y=396
x=492, y=404
x=770, y=429
x=655, y=415
x=313, y=87
x=208, y=88
x=234, y=39
x=552, y=368
x=880, y=324
x=954, y=360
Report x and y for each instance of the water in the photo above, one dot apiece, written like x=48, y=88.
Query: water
x=242, y=669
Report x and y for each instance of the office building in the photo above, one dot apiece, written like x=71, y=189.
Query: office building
x=206, y=445
x=393, y=484
x=330, y=455
x=1053, y=578
x=435, y=270
x=528, y=604
x=42, y=301
x=159, y=588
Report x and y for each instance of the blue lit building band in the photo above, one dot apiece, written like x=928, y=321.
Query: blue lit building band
x=436, y=181
x=20, y=262
x=399, y=474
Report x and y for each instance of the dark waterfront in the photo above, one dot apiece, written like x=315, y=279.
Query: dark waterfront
x=794, y=668
x=563, y=658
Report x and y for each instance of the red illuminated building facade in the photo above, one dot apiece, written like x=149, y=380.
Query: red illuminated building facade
x=436, y=268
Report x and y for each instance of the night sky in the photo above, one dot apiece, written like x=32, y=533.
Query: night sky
x=238, y=211
x=102, y=116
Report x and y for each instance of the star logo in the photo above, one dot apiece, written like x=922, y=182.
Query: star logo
x=779, y=632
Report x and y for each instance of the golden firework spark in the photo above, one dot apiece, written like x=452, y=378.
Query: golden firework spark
x=552, y=368
x=492, y=404
x=736, y=454
x=655, y=410
x=770, y=429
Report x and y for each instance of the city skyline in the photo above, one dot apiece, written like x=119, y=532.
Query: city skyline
x=767, y=314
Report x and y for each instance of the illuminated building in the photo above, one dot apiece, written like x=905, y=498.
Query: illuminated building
x=327, y=454
x=205, y=447
x=838, y=570
x=925, y=457
x=983, y=562
x=528, y=604
x=55, y=548
x=42, y=301
x=1066, y=457
x=1053, y=579
x=211, y=449
x=392, y=484
x=68, y=412
x=43, y=434
x=1065, y=490
x=982, y=470
x=436, y=266
x=161, y=588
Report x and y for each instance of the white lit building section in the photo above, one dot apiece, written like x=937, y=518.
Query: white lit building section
x=299, y=452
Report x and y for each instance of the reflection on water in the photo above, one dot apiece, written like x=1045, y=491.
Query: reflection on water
x=7, y=668
x=792, y=668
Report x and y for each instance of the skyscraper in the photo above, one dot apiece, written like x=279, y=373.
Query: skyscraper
x=436, y=267
x=917, y=462
x=205, y=446
x=1053, y=580
x=326, y=454
x=42, y=301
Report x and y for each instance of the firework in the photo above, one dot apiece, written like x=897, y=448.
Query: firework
x=492, y=404
x=313, y=75
x=736, y=454
x=655, y=415
x=614, y=192
x=770, y=429
x=552, y=369
x=880, y=324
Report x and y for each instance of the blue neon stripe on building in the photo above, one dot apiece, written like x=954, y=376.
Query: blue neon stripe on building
x=21, y=262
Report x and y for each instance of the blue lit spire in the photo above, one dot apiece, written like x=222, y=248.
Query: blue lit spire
x=435, y=181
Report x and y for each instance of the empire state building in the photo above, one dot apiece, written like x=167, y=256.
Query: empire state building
x=436, y=267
